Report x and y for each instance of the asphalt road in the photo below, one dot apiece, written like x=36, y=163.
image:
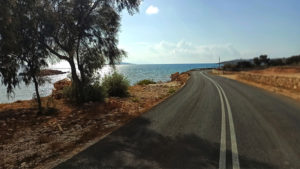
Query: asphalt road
x=213, y=122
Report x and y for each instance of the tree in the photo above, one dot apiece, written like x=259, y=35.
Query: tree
x=33, y=54
x=256, y=61
x=244, y=64
x=293, y=60
x=21, y=53
x=276, y=62
x=264, y=59
x=84, y=33
x=9, y=64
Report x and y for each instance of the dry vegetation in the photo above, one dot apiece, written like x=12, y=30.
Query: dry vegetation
x=31, y=141
x=284, y=80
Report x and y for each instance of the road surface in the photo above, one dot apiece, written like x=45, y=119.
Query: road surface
x=213, y=122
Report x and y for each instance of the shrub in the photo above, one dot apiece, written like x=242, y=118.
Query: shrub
x=145, y=82
x=256, y=61
x=171, y=91
x=230, y=67
x=264, y=59
x=276, y=62
x=93, y=92
x=116, y=85
x=69, y=93
x=293, y=60
x=244, y=65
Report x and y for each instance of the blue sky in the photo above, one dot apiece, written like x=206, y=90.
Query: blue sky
x=199, y=31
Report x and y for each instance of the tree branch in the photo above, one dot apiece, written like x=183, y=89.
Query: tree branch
x=55, y=53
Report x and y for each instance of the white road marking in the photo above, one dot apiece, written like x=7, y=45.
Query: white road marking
x=234, y=150
x=222, y=158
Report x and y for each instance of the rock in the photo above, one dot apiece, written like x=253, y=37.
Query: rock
x=78, y=127
x=59, y=85
x=174, y=76
x=23, y=165
x=113, y=104
x=182, y=78
x=2, y=121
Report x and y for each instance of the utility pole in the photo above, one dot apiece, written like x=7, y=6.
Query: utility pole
x=219, y=64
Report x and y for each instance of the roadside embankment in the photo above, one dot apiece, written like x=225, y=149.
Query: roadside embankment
x=31, y=141
x=282, y=80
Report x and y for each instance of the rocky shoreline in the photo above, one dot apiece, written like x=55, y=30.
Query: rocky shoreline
x=50, y=72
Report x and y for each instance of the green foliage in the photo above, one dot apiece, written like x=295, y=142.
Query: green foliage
x=94, y=93
x=171, y=91
x=82, y=32
x=244, y=65
x=69, y=93
x=135, y=99
x=116, y=85
x=264, y=59
x=145, y=82
x=20, y=45
x=293, y=60
x=238, y=66
x=230, y=67
x=85, y=33
x=256, y=61
x=277, y=62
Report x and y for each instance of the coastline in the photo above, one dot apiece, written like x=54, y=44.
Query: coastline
x=134, y=73
x=66, y=130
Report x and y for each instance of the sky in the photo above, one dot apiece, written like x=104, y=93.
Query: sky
x=201, y=31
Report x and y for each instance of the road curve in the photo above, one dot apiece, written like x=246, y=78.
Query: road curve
x=213, y=122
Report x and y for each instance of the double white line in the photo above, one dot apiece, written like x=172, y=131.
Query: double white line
x=234, y=150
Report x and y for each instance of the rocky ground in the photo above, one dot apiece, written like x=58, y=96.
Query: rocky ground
x=31, y=141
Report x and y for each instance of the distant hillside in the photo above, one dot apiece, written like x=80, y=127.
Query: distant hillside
x=125, y=63
x=236, y=61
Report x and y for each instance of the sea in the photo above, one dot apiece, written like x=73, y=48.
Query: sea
x=133, y=72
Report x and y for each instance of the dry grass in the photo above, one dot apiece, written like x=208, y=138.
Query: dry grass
x=43, y=141
x=276, y=72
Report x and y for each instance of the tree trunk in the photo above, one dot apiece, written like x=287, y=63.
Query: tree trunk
x=76, y=82
x=36, y=84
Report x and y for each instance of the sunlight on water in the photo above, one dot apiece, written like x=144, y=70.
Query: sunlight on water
x=133, y=73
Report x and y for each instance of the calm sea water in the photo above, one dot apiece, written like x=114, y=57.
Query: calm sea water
x=134, y=73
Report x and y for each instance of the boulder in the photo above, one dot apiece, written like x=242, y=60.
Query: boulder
x=174, y=76
x=59, y=85
x=182, y=78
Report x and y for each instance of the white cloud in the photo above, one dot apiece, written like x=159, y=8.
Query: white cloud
x=186, y=52
x=152, y=10
x=180, y=52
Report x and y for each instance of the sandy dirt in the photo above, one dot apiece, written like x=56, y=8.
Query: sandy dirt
x=285, y=71
x=31, y=141
x=293, y=71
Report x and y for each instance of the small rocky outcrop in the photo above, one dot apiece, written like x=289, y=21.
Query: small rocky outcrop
x=59, y=86
x=182, y=78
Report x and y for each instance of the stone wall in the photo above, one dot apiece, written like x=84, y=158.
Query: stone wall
x=285, y=82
